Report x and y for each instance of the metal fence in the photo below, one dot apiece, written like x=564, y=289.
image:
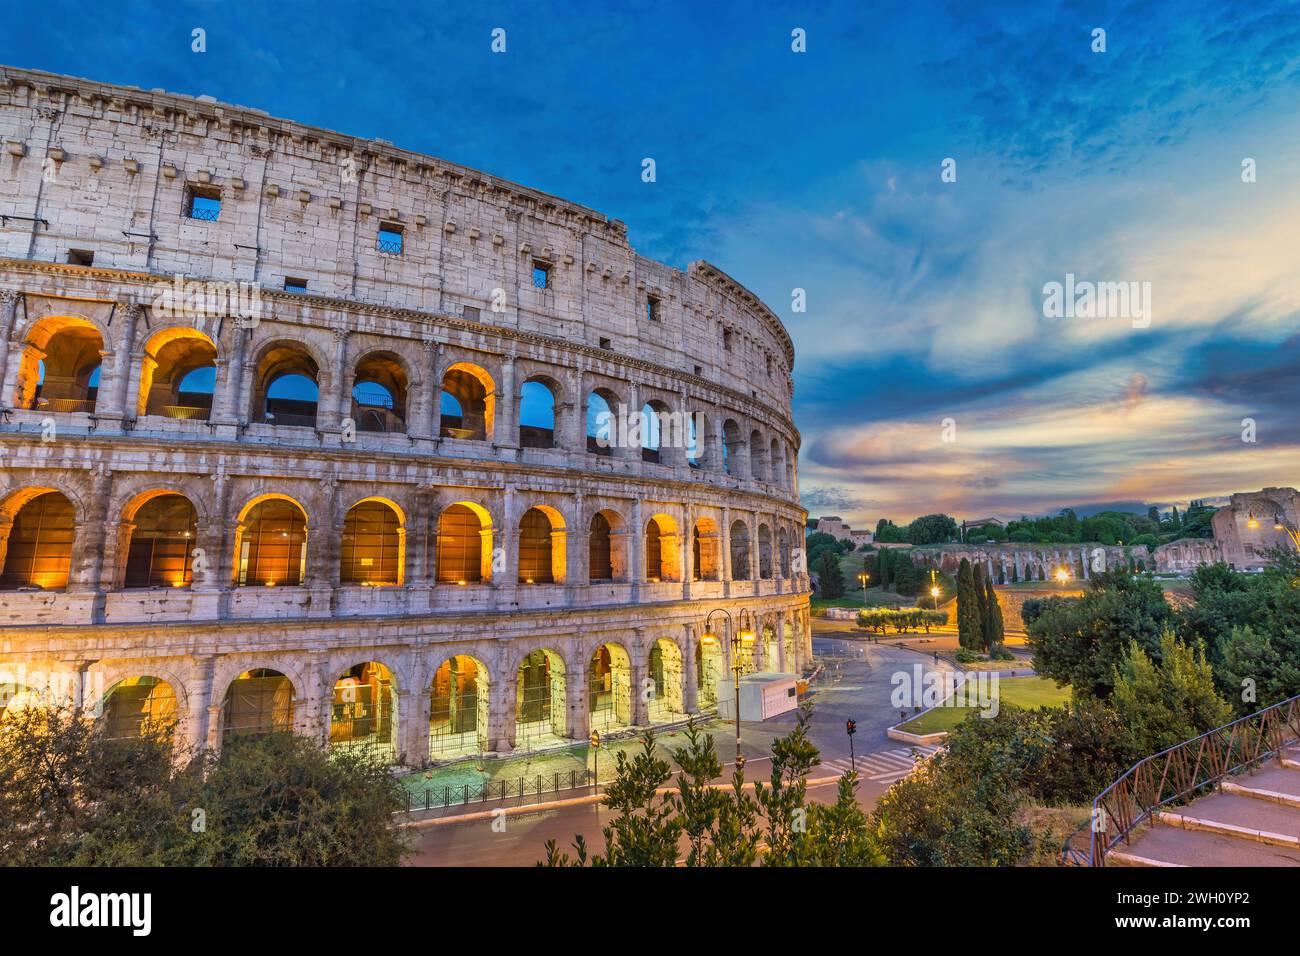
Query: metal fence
x=493, y=791
x=1187, y=769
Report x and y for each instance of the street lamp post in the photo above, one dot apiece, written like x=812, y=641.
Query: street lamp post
x=934, y=589
x=740, y=637
x=863, y=578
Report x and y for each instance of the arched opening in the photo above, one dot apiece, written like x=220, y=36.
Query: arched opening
x=771, y=660
x=783, y=547
x=469, y=413
x=39, y=549
x=162, y=543
x=286, y=387
x=178, y=375
x=739, y=551
x=732, y=445
x=654, y=416
x=540, y=705
x=372, y=549
x=58, y=370
x=607, y=548
x=458, y=713
x=697, y=430
x=536, y=415
x=464, y=544
x=379, y=393
x=541, y=546
x=609, y=688
x=258, y=701
x=757, y=456
x=139, y=707
x=705, y=565
x=364, y=709
x=787, y=646
x=666, y=704
x=602, y=427
x=709, y=669
x=764, y=552
x=271, y=544
x=663, y=560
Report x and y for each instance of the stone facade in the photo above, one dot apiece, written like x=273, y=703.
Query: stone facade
x=1253, y=523
x=487, y=288
x=1030, y=562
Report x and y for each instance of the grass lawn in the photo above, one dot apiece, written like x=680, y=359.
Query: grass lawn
x=1027, y=693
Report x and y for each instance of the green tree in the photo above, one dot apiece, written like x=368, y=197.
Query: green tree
x=932, y=529
x=993, y=626
x=970, y=632
x=1080, y=640
x=830, y=579
x=1169, y=699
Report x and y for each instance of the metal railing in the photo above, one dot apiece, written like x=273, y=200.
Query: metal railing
x=521, y=788
x=1186, y=769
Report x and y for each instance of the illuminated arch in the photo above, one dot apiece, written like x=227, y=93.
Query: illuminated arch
x=468, y=403
x=541, y=708
x=258, y=701
x=177, y=374
x=458, y=712
x=705, y=551
x=364, y=714
x=464, y=552
x=373, y=550
x=663, y=556
x=665, y=672
x=58, y=368
x=380, y=389
x=38, y=548
x=139, y=707
x=159, y=554
x=541, y=546
x=271, y=542
x=609, y=687
x=740, y=570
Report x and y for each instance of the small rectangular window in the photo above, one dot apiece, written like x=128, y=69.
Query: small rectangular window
x=726, y=339
x=390, y=238
x=541, y=275
x=81, y=257
x=652, y=308
x=769, y=366
x=606, y=344
x=294, y=285
x=203, y=203
x=699, y=370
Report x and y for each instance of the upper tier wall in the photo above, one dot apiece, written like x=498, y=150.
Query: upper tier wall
x=109, y=170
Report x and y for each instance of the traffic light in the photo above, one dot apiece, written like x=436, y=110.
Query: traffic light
x=851, y=726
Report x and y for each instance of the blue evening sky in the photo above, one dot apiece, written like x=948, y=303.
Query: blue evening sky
x=821, y=171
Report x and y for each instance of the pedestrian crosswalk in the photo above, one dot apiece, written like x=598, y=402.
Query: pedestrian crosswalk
x=887, y=766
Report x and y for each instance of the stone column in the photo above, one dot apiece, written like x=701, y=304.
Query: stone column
x=324, y=548
x=88, y=550
x=637, y=666
x=115, y=374
x=690, y=675
x=506, y=426
x=629, y=451
x=334, y=406
x=423, y=427
x=501, y=711
x=636, y=550
x=578, y=725
x=230, y=380
x=576, y=439
x=724, y=546
x=8, y=312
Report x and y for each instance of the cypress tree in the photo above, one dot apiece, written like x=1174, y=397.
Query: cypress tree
x=829, y=577
x=993, y=628
x=969, y=632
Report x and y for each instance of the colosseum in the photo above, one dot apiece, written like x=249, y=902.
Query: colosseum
x=304, y=431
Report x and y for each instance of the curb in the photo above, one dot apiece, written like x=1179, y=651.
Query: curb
x=480, y=815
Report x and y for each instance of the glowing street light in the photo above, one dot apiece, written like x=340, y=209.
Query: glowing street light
x=1062, y=575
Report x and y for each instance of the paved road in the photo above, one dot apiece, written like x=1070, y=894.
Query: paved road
x=856, y=683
